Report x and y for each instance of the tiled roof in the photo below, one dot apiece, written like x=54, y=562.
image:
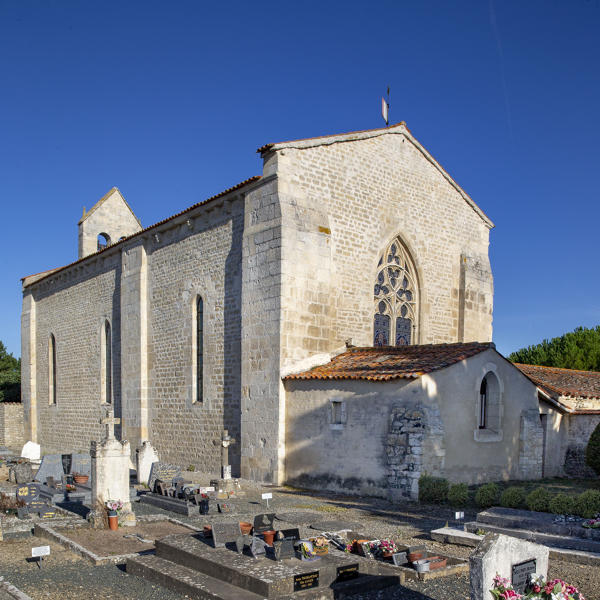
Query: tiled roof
x=27, y=280
x=564, y=382
x=389, y=362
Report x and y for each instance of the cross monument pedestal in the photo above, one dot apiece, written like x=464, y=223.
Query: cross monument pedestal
x=110, y=474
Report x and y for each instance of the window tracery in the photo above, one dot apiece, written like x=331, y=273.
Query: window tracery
x=395, y=293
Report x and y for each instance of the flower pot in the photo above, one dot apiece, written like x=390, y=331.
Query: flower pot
x=113, y=521
x=269, y=536
x=386, y=554
x=245, y=527
x=81, y=479
x=436, y=562
x=414, y=556
x=207, y=531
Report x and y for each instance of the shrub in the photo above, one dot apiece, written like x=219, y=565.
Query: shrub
x=538, y=500
x=486, y=495
x=592, y=451
x=562, y=504
x=458, y=494
x=512, y=497
x=433, y=489
x=587, y=504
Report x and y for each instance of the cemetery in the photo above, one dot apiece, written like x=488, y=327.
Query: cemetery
x=206, y=537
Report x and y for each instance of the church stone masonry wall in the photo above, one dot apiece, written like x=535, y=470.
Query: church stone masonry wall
x=372, y=190
x=73, y=305
x=11, y=424
x=202, y=256
x=579, y=428
x=263, y=400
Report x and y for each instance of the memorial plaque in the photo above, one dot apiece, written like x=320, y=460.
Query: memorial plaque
x=263, y=522
x=365, y=549
x=399, y=558
x=164, y=472
x=284, y=549
x=46, y=511
x=22, y=512
x=347, y=572
x=241, y=542
x=160, y=487
x=224, y=507
x=224, y=533
x=28, y=493
x=258, y=547
x=67, y=461
x=51, y=466
x=289, y=534
x=82, y=464
x=202, y=505
x=521, y=573
x=306, y=581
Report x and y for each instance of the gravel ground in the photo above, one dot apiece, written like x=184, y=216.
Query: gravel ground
x=66, y=575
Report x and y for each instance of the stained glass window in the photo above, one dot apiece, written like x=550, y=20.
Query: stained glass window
x=395, y=294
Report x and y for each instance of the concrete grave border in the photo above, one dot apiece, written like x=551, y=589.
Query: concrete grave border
x=45, y=531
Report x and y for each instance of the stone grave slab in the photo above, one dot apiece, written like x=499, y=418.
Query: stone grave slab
x=82, y=464
x=225, y=533
x=335, y=526
x=275, y=579
x=297, y=518
x=51, y=466
x=176, y=505
x=263, y=522
x=509, y=557
x=163, y=471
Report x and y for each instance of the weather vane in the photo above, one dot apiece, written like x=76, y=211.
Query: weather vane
x=385, y=107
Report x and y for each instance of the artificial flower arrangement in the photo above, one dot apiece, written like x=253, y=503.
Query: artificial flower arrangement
x=556, y=589
x=592, y=524
x=384, y=547
x=320, y=545
x=306, y=550
x=114, y=505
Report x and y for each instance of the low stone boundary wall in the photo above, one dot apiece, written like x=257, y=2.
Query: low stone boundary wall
x=12, y=429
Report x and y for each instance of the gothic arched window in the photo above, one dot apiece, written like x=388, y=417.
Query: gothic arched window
x=396, y=301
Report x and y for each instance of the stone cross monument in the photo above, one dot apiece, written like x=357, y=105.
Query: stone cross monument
x=110, y=473
x=225, y=441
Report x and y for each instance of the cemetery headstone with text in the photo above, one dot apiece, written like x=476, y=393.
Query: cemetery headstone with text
x=509, y=557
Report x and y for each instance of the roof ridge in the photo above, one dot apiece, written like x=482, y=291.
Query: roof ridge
x=557, y=368
x=129, y=237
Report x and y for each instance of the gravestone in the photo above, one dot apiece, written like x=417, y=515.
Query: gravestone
x=28, y=493
x=241, y=542
x=224, y=533
x=284, y=548
x=20, y=473
x=509, y=557
x=31, y=450
x=258, y=547
x=164, y=472
x=145, y=456
x=82, y=464
x=51, y=466
x=289, y=534
x=399, y=558
x=347, y=572
x=263, y=522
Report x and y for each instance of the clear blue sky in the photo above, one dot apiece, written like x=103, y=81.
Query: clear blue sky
x=169, y=100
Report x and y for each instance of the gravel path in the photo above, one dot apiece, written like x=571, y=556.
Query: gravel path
x=67, y=576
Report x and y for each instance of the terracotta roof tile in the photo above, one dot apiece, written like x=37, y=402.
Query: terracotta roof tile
x=389, y=362
x=564, y=382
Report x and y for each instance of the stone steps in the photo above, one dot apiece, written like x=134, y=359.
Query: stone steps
x=184, y=580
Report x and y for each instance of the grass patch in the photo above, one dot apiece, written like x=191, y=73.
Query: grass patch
x=326, y=508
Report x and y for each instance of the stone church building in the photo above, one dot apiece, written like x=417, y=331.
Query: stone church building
x=334, y=314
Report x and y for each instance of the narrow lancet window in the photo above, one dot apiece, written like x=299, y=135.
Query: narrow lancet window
x=106, y=364
x=396, y=303
x=51, y=370
x=483, y=404
x=199, y=375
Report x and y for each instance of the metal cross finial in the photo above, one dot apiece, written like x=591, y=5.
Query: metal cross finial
x=110, y=423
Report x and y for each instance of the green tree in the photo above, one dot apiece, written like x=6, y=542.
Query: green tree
x=579, y=349
x=10, y=376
